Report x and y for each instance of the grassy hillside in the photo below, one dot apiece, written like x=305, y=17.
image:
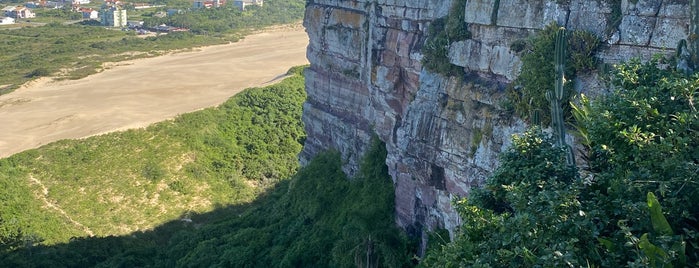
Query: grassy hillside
x=206, y=189
x=318, y=218
x=122, y=182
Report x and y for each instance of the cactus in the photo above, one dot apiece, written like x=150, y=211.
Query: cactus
x=688, y=49
x=556, y=96
x=693, y=38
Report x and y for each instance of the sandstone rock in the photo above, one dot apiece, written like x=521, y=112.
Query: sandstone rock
x=668, y=31
x=590, y=16
x=530, y=14
x=479, y=11
x=636, y=30
x=444, y=134
x=640, y=7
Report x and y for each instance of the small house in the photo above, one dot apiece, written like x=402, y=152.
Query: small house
x=33, y=4
x=173, y=11
x=19, y=12
x=54, y=4
x=89, y=13
x=241, y=4
x=6, y=20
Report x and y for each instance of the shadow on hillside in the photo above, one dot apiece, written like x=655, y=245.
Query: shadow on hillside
x=155, y=248
x=319, y=218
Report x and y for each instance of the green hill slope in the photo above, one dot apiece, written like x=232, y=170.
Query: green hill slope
x=122, y=182
x=147, y=196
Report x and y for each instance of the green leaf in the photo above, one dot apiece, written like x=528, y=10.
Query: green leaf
x=659, y=222
x=653, y=252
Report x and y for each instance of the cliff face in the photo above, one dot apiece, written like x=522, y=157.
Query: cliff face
x=443, y=134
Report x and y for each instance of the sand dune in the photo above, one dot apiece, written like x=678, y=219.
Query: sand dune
x=137, y=93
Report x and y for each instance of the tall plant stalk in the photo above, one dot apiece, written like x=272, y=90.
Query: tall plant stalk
x=556, y=96
x=693, y=38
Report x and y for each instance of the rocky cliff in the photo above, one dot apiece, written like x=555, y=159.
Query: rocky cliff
x=443, y=134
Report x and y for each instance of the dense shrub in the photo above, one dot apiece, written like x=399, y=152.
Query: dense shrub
x=526, y=215
x=643, y=151
x=645, y=138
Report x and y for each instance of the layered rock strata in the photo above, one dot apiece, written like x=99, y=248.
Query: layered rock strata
x=443, y=134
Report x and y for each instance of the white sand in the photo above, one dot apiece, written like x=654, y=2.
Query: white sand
x=137, y=93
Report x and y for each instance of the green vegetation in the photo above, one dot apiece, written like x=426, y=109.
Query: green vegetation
x=441, y=34
x=555, y=97
x=229, y=18
x=49, y=15
x=538, y=72
x=147, y=195
x=319, y=218
x=642, y=151
x=118, y=183
x=525, y=215
x=614, y=18
x=75, y=51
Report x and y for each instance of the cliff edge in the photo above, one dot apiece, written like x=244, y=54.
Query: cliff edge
x=443, y=133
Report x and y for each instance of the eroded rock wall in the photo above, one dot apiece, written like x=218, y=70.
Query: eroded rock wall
x=443, y=134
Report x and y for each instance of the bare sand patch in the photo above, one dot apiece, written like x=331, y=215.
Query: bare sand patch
x=140, y=92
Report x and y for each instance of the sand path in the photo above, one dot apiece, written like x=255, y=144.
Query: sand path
x=137, y=93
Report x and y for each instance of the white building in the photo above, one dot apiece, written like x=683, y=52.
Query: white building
x=241, y=4
x=113, y=17
x=6, y=20
x=89, y=13
x=19, y=12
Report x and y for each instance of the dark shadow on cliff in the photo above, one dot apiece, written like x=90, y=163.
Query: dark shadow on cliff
x=319, y=218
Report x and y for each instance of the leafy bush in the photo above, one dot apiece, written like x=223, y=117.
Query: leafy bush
x=582, y=46
x=644, y=138
x=526, y=215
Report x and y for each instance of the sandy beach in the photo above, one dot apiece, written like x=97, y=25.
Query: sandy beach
x=137, y=93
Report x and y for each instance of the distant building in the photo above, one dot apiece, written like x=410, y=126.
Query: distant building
x=134, y=24
x=54, y=4
x=89, y=13
x=33, y=4
x=145, y=5
x=173, y=11
x=241, y=4
x=18, y=12
x=80, y=2
x=6, y=20
x=209, y=3
x=113, y=17
x=113, y=3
